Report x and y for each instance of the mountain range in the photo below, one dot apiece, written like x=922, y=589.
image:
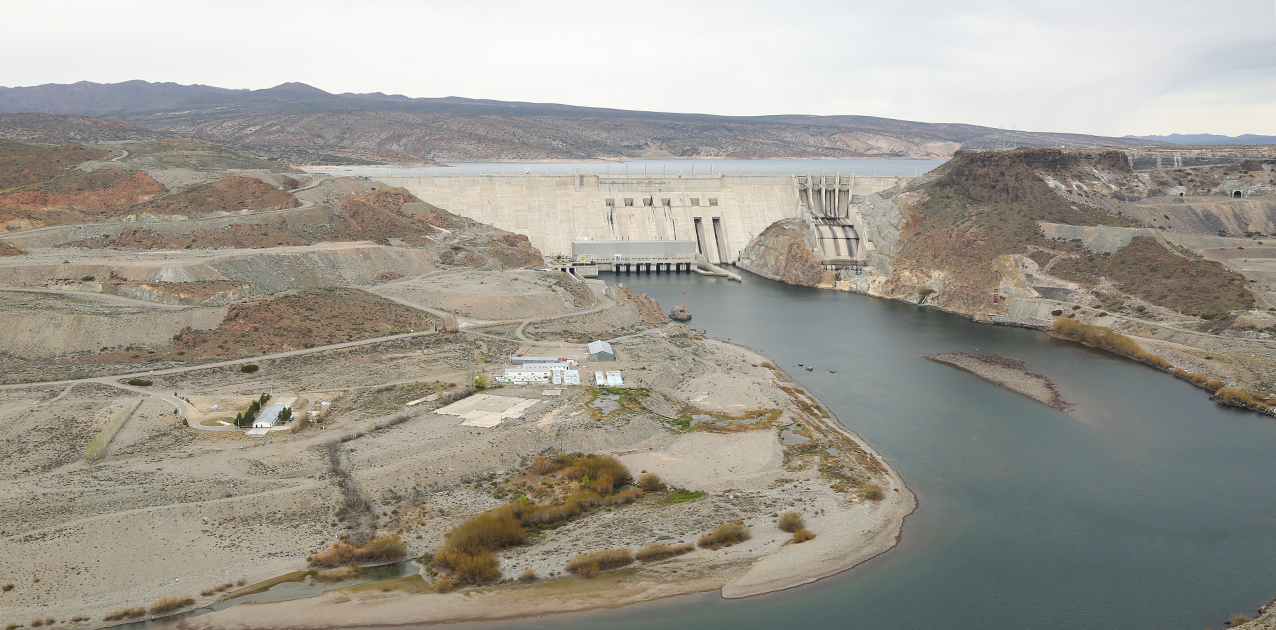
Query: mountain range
x=298, y=123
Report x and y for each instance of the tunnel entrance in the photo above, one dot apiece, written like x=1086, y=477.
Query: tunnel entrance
x=1236, y=194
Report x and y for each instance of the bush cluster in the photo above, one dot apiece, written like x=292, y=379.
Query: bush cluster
x=725, y=535
x=650, y=482
x=470, y=547
x=381, y=549
x=659, y=551
x=601, y=473
x=791, y=522
x=590, y=563
x=169, y=604
x=1106, y=339
x=126, y=613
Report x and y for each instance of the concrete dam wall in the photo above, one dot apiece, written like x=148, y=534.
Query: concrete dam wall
x=721, y=213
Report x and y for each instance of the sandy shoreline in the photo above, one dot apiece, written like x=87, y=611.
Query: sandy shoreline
x=848, y=538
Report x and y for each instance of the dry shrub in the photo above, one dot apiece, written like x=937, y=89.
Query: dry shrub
x=650, y=482
x=1106, y=339
x=1237, y=619
x=551, y=464
x=791, y=522
x=1238, y=398
x=12, y=626
x=590, y=563
x=802, y=535
x=725, y=535
x=381, y=549
x=443, y=584
x=490, y=531
x=208, y=592
x=241, y=581
x=126, y=613
x=469, y=568
x=37, y=622
x=605, y=472
x=874, y=492
x=659, y=551
x=79, y=618
x=529, y=575
x=169, y=604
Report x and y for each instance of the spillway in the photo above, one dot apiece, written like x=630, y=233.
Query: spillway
x=721, y=213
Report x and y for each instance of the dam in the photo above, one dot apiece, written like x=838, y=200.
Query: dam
x=720, y=213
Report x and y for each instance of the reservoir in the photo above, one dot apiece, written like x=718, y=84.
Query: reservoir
x=1148, y=506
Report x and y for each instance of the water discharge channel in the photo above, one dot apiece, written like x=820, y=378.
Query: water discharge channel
x=1148, y=506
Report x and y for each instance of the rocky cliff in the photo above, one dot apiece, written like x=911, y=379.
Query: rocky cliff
x=1028, y=236
x=784, y=252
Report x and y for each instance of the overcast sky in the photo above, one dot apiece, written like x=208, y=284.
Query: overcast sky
x=1110, y=67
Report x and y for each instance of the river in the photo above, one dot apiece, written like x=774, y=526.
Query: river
x=1146, y=507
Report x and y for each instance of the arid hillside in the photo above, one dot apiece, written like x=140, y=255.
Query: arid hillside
x=297, y=123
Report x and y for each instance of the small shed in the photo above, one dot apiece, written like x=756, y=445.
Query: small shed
x=601, y=351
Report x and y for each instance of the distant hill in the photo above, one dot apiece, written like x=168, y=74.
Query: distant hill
x=1209, y=138
x=296, y=122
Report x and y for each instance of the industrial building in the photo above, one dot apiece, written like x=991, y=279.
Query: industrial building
x=601, y=351
x=268, y=417
x=658, y=256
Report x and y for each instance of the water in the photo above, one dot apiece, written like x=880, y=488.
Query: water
x=1146, y=507
x=279, y=593
x=654, y=167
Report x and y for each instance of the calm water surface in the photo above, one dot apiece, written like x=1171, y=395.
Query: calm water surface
x=1146, y=507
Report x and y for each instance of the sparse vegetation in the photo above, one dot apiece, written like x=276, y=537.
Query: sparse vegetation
x=802, y=535
x=660, y=551
x=382, y=549
x=97, y=447
x=125, y=613
x=1237, y=619
x=529, y=576
x=249, y=369
x=650, y=482
x=790, y=522
x=725, y=535
x=874, y=492
x=591, y=563
x=170, y=604
x=1106, y=339
x=140, y=382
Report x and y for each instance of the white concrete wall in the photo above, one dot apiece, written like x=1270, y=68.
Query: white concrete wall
x=554, y=210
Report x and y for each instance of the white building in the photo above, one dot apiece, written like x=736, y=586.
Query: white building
x=613, y=379
x=601, y=351
x=599, y=379
x=528, y=374
x=571, y=377
x=268, y=417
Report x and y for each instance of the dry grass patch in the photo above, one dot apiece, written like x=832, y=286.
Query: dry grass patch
x=382, y=549
x=725, y=535
x=660, y=551
x=802, y=535
x=528, y=576
x=650, y=482
x=874, y=492
x=1106, y=339
x=126, y=613
x=591, y=563
x=791, y=522
x=169, y=604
